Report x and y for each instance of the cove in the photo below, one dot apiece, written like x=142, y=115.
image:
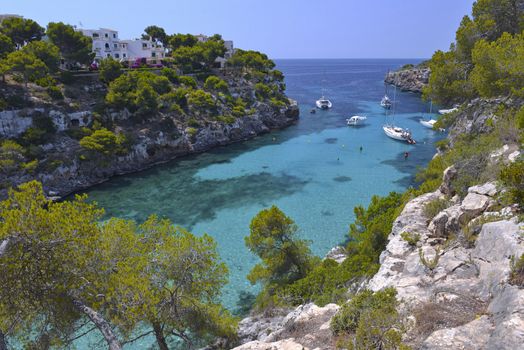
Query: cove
x=314, y=171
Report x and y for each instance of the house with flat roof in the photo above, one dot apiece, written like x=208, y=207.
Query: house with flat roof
x=106, y=43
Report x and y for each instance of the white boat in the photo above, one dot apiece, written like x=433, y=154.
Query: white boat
x=356, y=120
x=386, y=102
x=428, y=123
x=324, y=103
x=447, y=111
x=431, y=122
x=398, y=133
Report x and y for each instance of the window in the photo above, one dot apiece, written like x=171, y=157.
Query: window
x=117, y=55
x=107, y=46
x=106, y=35
x=115, y=46
x=153, y=54
x=124, y=55
x=114, y=35
x=108, y=55
x=95, y=35
x=144, y=45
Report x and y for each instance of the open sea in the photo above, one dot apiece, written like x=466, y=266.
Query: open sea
x=314, y=171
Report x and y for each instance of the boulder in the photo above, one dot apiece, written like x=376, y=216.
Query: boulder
x=446, y=222
x=474, y=204
x=337, y=253
x=488, y=189
x=471, y=336
x=288, y=344
x=449, y=174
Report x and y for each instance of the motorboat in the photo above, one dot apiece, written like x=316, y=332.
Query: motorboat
x=356, y=120
x=428, y=123
x=398, y=133
x=386, y=102
x=447, y=111
x=324, y=103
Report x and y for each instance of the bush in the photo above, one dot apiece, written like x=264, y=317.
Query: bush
x=170, y=74
x=188, y=81
x=214, y=83
x=191, y=131
x=109, y=70
x=411, y=238
x=512, y=177
x=431, y=264
x=262, y=91
x=517, y=271
x=55, y=93
x=104, y=142
x=192, y=122
x=432, y=208
x=369, y=321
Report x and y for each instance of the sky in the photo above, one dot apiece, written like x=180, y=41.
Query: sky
x=279, y=28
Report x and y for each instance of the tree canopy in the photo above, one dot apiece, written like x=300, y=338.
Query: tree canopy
x=21, y=30
x=156, y=34
x=73, y=45
x=62, y=268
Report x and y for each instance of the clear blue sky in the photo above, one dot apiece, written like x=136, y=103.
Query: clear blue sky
x=280, y=28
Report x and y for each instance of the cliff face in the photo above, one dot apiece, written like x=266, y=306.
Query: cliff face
x=410, y=79
x=153, y=144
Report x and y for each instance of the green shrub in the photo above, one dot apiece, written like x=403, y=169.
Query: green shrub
x=188, y=81
x=411, y=238
x=214, y=83
x=512, y=176
x=191, y=131
x=517, y=271
x=370, y=321
x=262, y=91
x=55, y=93
x=228, y=119
x=432, y=208
x=193, y=123
x=170, y=74
x=79, y=133
x=104, y=142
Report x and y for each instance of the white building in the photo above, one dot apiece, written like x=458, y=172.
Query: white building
x=106, y=43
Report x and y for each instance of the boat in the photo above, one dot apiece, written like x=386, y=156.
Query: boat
x=431, y=122
x=313, y=111
x=324, y=103
x=428, y=123
x=356, y=120
x=386, y=102
x=447, y=111
x=398, y=133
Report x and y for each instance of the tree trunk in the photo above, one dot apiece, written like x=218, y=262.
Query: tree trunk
x=102, y=325
x=3, y=345
x=159, y=334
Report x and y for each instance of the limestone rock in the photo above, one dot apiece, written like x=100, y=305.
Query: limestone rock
x=449, y=174
x=474, y=204
x=337, y=253
x=288, y=344
x=471, y=336
x=488, y=189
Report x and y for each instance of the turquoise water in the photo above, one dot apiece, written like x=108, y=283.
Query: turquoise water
x=314, y=171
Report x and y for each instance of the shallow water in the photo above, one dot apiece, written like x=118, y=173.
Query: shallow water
x=314, y=171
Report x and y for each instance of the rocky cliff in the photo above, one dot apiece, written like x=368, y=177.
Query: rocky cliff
x=63, y=166
x=411, y=79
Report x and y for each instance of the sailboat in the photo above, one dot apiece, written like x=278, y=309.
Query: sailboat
x=386, y=101
x=396, y=132
x=431, y=122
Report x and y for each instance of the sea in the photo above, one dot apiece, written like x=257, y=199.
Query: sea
x=316, y=171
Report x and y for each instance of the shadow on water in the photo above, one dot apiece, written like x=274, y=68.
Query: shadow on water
x=187, y=200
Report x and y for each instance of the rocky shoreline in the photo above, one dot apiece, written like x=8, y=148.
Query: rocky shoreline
x=152, y=147
x=412, y=79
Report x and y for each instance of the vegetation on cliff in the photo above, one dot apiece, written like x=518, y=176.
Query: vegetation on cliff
x=486, y=58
